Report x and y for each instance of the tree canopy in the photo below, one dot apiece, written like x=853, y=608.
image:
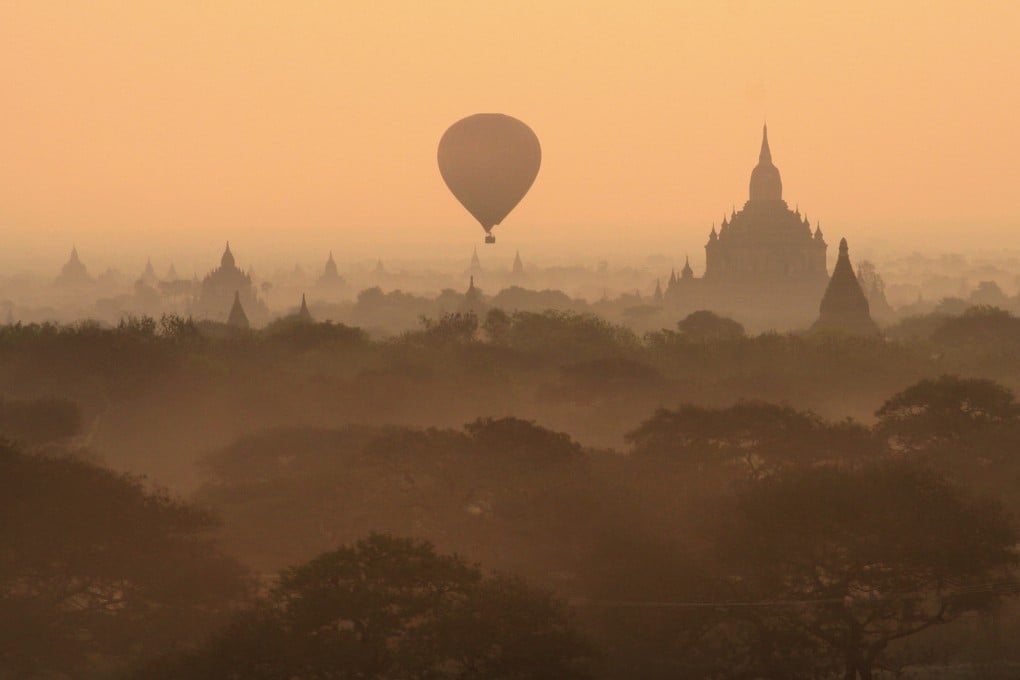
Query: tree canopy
x=98, y=570
x=389, y=607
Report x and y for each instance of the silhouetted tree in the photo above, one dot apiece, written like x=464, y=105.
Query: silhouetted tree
x=980, y=329
x=497, y=325
x=706, y=326
x=95, y=571
x=945, y=410
x=846, y=563
x=516, y=440
x=757, y=436
x=456, y=327
x=567, y=334
x=391, y=608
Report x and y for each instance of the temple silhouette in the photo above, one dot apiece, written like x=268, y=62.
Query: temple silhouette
x=237, y=318
x=765, y=261
x=844, y=308
x=224, y=286
x=73, y=273
x=330, y=277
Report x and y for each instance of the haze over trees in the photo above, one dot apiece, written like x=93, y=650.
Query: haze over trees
x=520, y=494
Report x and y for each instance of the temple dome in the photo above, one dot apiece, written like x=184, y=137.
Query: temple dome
x=766, y=184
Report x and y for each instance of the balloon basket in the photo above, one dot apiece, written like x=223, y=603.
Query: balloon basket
x=489, y=238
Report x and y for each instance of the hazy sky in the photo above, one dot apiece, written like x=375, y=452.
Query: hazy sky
x=294, y=127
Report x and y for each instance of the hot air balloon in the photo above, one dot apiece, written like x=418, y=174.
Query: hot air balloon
x=489, y=161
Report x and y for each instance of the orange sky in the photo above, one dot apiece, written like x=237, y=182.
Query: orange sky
x=295, y=127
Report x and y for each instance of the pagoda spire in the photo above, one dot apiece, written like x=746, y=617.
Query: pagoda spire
x=303, y=314
x=844, y=307
x=766, y=184
x=227, y=260
x=765, y=156
x=237, y=318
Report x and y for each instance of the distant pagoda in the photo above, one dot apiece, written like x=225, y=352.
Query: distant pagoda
x=475, y=267
x=473, y=301
x=330, y=274
x=73, y=273
x=148, y=276
x=518, y=269
x=225, y=283
x=303, y=315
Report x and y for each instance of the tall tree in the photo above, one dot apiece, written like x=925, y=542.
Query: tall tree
x=945, y=411
x=844, y=563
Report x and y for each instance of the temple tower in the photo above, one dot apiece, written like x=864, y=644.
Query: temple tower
x=844, y=308
x=237, y=318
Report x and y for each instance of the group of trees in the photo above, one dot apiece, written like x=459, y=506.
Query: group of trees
x=390, y=608
x=756, y=539
x=753, y=540
x=101, y=576
x=97, y=571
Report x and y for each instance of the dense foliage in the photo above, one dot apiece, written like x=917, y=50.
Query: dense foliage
x=712, y=504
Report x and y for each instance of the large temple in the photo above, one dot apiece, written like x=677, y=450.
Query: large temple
x=766, y=241
x=765, y=260
x=225, y=285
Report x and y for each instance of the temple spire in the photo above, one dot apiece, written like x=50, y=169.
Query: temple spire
x=766, y=184
x=303, y=314
x=766, y=154
x=237, y=318
x=844, y=307
x=227, y=260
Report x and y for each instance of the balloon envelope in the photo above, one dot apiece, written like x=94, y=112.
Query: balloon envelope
x=489, y=161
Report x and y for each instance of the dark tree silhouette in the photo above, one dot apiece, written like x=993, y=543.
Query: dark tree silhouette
x=944, y=411
x=457, y=327
x=390, y=608
x=980, y=327
x=706, y=326
x=95, y=571
x=516, y=440
x=757, y=437
x=856, y=560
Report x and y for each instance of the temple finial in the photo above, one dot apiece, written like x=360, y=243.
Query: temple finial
x=766, y=154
